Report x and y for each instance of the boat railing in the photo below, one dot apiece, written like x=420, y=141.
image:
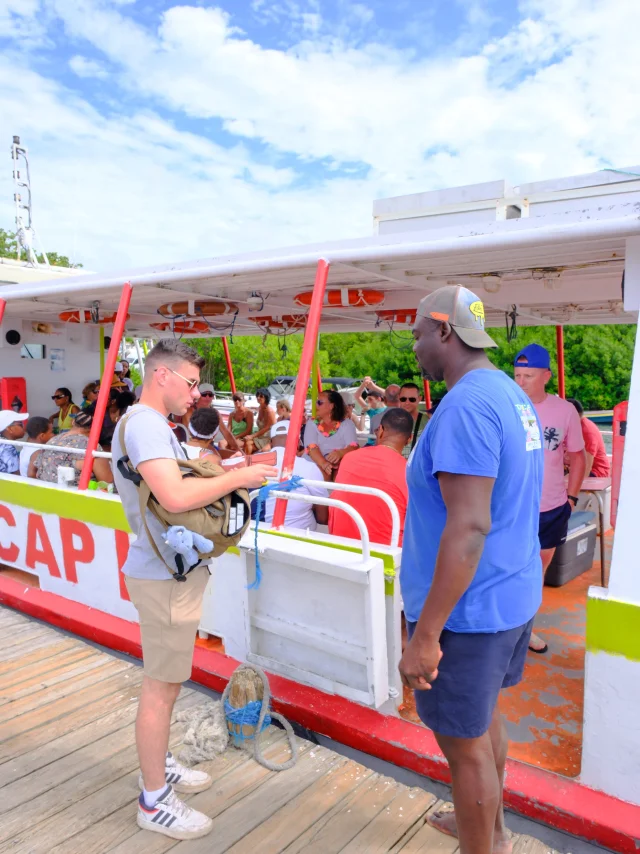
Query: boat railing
x=78, y=452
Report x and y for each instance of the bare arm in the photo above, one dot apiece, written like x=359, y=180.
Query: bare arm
x=468, y=502
x=271, y=420
x=373, y=387
x=589, y=465
x=177, y=494
x=32, y=471
x=102, y=470
x=229, y=438
x=362, y=403
x=577, y=468
x=321, y=512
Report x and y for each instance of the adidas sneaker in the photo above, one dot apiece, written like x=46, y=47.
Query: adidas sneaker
x=173, y=817
x=185, y=780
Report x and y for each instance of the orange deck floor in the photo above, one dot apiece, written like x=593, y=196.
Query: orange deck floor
x=544, y=713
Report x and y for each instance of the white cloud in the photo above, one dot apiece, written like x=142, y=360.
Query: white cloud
x=84, y=67
x=555, y=96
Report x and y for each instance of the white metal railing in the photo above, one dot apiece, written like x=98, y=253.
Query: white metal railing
x=79, y=452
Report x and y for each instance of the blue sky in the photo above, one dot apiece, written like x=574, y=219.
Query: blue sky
x=160, y=131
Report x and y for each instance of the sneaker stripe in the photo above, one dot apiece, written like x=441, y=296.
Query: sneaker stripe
x=170, y=822
x=158, y=817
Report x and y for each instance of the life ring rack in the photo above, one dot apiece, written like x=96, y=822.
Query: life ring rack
x=405, y=316
x=195, y=309
x=344, y=298
x=283, y=323
x=80, y=315
x=182, y=326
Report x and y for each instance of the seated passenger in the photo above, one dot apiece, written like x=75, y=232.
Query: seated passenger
x=39, y=431
x=240, y=421
x=89, y=395
x=63, y=419
x=44, y=464
x=331, y=435
x=299, y=514
x=349, y=405
x=203, y=426
x=597, y=459
x=11, y=427
x=283, y=410
x=381, y=466
x=266, y=418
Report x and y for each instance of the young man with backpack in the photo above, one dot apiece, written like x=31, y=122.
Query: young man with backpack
x=169, y=610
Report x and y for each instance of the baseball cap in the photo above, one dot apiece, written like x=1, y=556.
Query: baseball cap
x=10, y=416
x=280, y=428
x=348, y=398
x=374, y=393
x=206, y=387
x=533, y=356
x=462, y=309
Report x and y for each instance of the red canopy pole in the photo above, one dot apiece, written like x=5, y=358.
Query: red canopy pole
x=560, y=354
x=3, y=304
x=227, y=356
x=427, y=393
x=302, y=384
x=105, y=385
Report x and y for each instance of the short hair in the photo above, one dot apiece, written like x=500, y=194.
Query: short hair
x=205, y=421
x=338, y=409
x=238, y=395
x=399, y=421
x=84, y=418
x=265, y=393
x=392, y=393
x=284, y=403
x=37, y=425
x=579, y=407
x=124, y=400
x=171, y=351
x=89, y=388
x=410, y=385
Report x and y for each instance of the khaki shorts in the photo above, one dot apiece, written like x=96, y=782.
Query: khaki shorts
x=169, y=614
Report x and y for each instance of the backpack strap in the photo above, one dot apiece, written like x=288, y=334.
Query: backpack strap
x=127, y=470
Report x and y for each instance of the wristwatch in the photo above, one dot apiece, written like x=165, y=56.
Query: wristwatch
x=573, y=498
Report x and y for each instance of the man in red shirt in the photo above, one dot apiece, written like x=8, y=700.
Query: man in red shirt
x=597, y=459
x=381, y=466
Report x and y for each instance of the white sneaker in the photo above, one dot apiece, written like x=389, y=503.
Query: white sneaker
x=173, y=817
x=187, y=781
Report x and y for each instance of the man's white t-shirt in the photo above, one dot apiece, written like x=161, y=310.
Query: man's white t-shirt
x=299, y=514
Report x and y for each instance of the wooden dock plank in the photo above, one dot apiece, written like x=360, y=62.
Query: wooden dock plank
x=234, y=775
x=69, y=772
x=302, y=811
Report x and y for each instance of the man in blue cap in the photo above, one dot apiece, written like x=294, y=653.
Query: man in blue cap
x=562, y=435
x=471, y=575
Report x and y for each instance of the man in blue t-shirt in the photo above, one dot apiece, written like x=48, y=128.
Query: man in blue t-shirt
x=471, y=575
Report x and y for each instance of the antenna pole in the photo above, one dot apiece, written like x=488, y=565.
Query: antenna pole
x=25, y=231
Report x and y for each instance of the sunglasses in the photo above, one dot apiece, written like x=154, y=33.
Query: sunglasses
x=320, y=402
x=408, y=399
x=58, y=396
x=205, y=393
x=191, y=383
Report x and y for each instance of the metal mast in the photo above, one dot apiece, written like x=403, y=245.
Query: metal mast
x=25, y=231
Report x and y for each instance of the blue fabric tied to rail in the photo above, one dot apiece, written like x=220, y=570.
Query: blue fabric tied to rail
x=294, y=482
x=245, y=716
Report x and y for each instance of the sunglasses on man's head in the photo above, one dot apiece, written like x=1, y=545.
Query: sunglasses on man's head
x=206, y=394
x=408, y=399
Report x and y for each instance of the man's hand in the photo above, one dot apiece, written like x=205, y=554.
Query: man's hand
x=419, y=663
x=255, y=476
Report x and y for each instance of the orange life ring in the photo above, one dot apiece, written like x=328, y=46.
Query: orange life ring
x=75, y=317
x=182, y=327
x=344, y=298
x=286, y=321
x=197, y=308
x=401, y=315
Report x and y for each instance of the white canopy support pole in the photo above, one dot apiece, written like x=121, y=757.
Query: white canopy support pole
x=139, y=355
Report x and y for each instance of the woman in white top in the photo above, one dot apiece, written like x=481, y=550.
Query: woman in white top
x=331, y=435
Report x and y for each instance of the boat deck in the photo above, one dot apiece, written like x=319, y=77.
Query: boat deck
x=68, y=771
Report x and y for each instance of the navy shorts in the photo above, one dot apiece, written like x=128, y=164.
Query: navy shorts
x=473, y=669
x=554, y=526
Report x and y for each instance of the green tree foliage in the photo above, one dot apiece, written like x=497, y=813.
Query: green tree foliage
x=597, y=359
x=9, y=249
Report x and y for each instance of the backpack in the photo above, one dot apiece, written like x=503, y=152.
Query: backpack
x=223, y=521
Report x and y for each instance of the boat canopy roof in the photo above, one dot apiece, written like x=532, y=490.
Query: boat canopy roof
x=561, y=269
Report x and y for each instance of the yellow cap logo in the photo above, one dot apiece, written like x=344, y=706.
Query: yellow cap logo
x=477, y=310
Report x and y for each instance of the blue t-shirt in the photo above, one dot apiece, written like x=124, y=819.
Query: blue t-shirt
x=485, y=426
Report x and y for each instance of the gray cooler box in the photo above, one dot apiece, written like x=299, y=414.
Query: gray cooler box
x=575, y=555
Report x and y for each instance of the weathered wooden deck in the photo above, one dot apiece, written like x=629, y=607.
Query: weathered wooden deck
x=68, y=771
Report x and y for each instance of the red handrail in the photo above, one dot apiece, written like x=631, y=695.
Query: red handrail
x=227, y=356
